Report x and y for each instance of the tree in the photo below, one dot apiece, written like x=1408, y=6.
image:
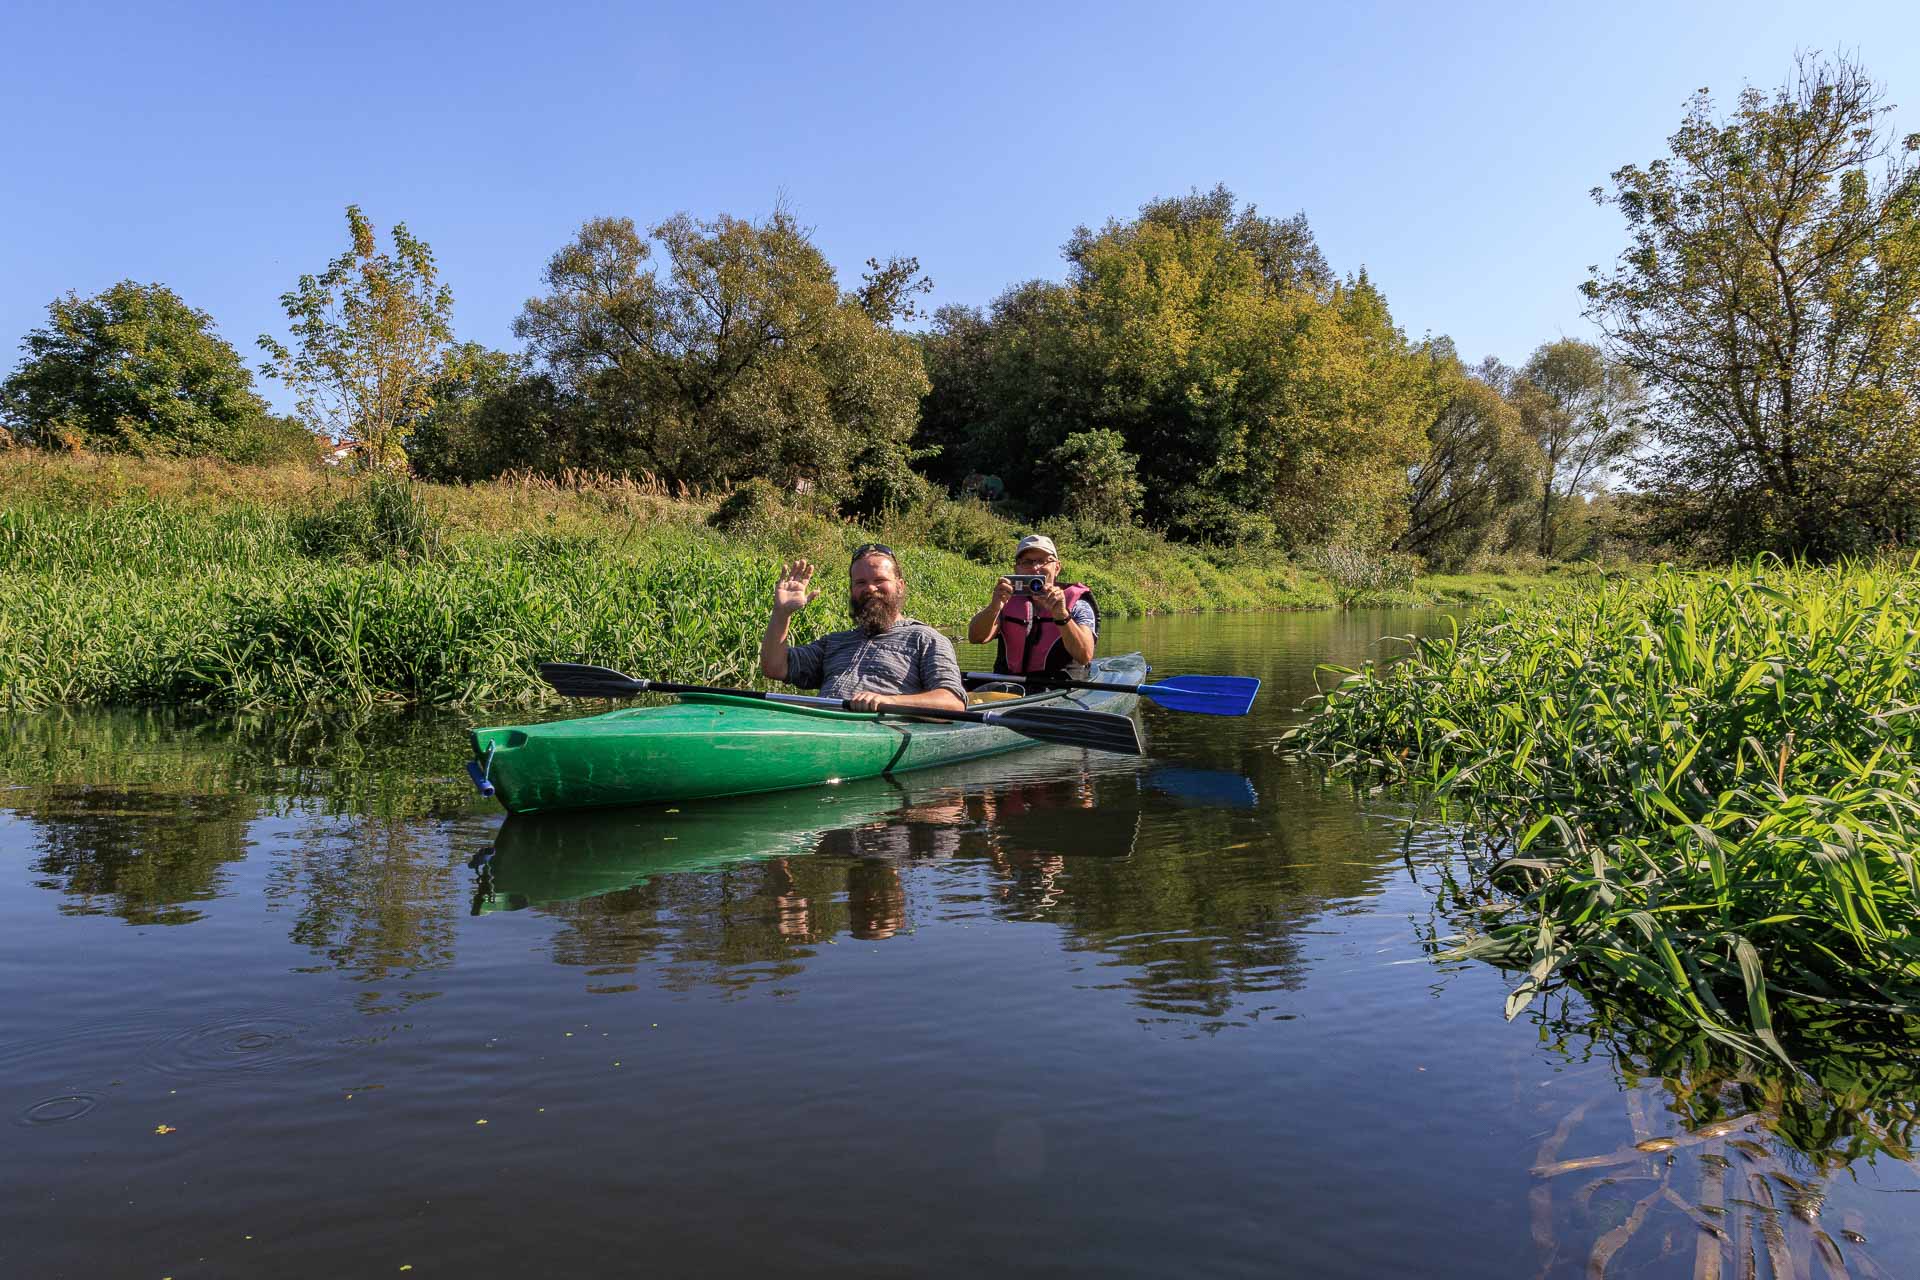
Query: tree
x=744, y=360
x=1582, y=411
x=372, y=330
x=1769, y=297
x=131, y=369
x=1263, y=399
x=1241, y=392
x=465, y=434
x=1479, y=468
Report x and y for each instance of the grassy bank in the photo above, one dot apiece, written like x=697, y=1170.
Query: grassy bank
x=149, y=582
x=1709, y=783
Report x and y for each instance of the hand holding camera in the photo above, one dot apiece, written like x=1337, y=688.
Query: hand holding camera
x=1028, y=584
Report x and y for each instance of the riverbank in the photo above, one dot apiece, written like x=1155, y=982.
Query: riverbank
x=193, y=582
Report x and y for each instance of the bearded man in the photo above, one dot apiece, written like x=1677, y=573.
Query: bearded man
x=886, y=662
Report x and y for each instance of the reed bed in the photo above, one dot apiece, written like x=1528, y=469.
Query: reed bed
x=1701, y=790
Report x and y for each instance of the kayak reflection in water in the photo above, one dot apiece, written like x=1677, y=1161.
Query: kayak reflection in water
x=886, y=661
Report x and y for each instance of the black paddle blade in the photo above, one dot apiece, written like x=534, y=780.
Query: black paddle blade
x=577, y=680
x=1094, y=730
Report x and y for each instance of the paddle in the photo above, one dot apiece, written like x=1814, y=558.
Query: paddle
x=1206, y=695
x=1095, y=730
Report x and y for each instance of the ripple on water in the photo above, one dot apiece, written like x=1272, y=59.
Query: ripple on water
x=58, y=1110
x=234, y=1041
x=247, y=1042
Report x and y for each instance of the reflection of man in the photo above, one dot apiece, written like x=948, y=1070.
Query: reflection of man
x=876, y=899
x=1052, y=631
x=885, y=662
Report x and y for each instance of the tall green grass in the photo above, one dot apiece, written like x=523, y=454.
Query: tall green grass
x=1708, y=783
x=170, y=585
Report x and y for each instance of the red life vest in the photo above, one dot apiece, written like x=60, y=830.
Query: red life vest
x=1026, y=648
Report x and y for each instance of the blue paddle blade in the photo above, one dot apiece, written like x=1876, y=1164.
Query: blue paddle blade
x=1207, y=695
x=1205, y=788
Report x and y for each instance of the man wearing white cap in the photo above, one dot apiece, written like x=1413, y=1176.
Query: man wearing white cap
x=1051, y=629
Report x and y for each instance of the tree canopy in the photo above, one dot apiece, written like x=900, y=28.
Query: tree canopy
x=1769, y=298
x=744, y=358
x=1261, y=398
x=131, y=369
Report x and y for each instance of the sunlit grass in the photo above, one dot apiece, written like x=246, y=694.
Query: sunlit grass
x=173, y=582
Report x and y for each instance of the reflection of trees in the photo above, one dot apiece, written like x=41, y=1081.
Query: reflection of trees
x=136, y=813
x=139, y=855
x=375, y=897
x=395, y=765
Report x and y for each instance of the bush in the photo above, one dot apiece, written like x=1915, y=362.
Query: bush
x=1098, y=477
x=382, y=517
x=1200, y=516
x=754, y=509
x=967, y=528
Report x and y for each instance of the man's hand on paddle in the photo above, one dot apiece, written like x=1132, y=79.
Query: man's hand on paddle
x=791, y=594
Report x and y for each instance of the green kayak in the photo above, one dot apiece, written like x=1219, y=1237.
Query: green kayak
x=707, y=745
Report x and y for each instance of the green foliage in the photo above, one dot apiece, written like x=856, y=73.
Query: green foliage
x=371, y=330
x=1480, y=468
x=381, y=517
x=1358, y=572
x=132, y=369
x=164, y=585
x=884, y=480
x=1708, y=782
x=753, y=509
x=275, y=439
x=1768, y=298
x=482, y=418
x=743, y=360
x=968, y=528
x=1098, y=476
x=1582, y=412
x=1261, y=399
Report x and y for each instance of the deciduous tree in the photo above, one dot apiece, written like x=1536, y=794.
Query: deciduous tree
x=1769, y=297
x=134, y=369
x=743, y=359
x=370, y=332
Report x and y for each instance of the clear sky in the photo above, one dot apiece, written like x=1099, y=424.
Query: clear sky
x=1447, y=149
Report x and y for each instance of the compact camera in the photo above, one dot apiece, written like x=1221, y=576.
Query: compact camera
x=1028, y=584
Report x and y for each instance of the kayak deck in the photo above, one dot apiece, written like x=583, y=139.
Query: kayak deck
x=710, y=745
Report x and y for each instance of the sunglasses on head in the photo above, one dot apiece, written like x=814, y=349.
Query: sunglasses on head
x=875, y=549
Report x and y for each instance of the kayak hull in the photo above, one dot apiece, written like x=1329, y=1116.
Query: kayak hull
x=705, y=746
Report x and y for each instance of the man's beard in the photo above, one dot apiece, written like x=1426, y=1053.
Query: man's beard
x=875, y=613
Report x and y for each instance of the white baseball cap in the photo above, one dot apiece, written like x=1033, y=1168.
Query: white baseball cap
x=1039, y=540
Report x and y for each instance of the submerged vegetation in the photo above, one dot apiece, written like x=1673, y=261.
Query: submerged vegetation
x=1705, y=785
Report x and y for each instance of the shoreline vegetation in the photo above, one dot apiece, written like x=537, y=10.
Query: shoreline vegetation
x=127, y=581
x=1695, y=791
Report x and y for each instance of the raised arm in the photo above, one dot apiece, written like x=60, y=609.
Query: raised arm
x=790, y=596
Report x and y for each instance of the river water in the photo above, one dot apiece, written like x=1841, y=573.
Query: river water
x=286, y=998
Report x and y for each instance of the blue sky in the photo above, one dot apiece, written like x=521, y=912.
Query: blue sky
x=1448, y=150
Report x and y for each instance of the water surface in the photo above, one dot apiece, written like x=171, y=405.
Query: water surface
x=284, y=997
